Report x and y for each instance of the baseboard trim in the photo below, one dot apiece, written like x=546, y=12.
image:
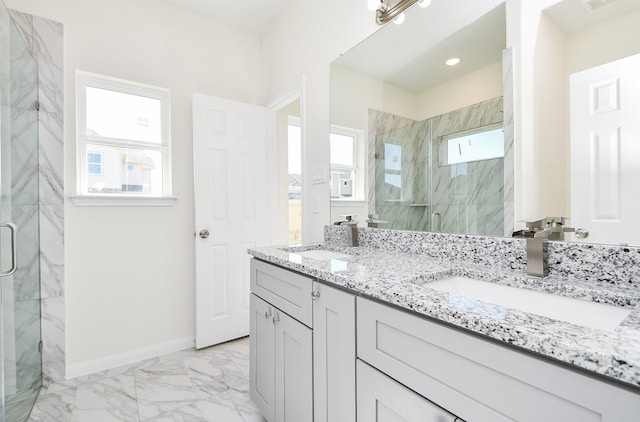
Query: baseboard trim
x=127, y=358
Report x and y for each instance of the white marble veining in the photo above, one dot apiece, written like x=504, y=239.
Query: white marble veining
x=396, y=267
x=206, y=385
x=509, y=140
x=44, y=39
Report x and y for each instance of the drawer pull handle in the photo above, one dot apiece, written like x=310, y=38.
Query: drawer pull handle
x=315, y=295
x=276, y=319
x=267, y=314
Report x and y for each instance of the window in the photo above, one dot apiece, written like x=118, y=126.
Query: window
x=94, y=163
x=347, y=153
x=393, y=172
x=294, y=172
x=483, y=143
x=123, y=138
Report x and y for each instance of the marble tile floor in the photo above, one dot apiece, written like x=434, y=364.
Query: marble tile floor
x=192, y=385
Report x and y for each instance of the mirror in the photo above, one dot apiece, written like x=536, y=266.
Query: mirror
x=392, y=83
x=415, y=110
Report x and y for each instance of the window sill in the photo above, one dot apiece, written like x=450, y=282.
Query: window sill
x=122, y=201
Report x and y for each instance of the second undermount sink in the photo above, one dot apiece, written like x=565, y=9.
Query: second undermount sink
x=322, y=254
x=575, y=311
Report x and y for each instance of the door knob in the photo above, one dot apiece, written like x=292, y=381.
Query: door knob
x=582, y=233
x=204, y=233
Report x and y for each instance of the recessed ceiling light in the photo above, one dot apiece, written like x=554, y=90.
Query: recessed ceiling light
x=399, y=19
x=452, y=61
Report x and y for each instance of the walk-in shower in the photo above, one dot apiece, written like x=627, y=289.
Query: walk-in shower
x=20, y=341
x=443, y=174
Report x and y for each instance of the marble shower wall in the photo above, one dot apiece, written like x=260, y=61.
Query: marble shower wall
x=44, y=39
x=509, y=140
x=469, y=198
x=20, y=156
x=401, y=202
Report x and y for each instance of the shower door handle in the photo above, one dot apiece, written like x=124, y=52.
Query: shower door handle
x=14, y=248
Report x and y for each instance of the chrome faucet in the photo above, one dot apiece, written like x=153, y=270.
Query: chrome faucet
x=352, y=228
x=374, y=221
x=536, y=237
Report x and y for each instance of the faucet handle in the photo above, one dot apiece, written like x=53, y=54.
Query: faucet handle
x=542, y=233
x=349, y=217
x=535, y=223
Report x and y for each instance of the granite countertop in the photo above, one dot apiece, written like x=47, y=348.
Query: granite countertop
x=402, y=279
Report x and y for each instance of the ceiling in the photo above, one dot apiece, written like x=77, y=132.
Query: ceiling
x=412, y=55
x=574, y=15
x=254, y=16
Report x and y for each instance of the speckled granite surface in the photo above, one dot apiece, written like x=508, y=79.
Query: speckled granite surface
x=400, y=272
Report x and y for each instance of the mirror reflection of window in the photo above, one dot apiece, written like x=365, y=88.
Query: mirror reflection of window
x=484, y=143
x=294, y=170
x=344, y=155
x=393, y=172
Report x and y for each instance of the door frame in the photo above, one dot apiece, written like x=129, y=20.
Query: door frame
x=282, y=98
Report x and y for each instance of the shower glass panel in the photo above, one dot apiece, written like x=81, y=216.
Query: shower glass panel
x=20, y=360
x=402, y=177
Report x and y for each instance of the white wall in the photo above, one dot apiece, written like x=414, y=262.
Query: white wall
x=305, y=39
x=473, y=88
x=611, y=40
x=130, y=271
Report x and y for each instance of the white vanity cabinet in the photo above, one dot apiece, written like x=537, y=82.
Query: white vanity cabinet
x=298, y=374
x=281, y=356
x=481, y=380
x=334, y=354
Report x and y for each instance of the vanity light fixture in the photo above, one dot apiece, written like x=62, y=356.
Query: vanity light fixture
x=452, y=61
x=395, y=13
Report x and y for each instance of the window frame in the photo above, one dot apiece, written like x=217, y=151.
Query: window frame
x=83, y=197
x=358, y=161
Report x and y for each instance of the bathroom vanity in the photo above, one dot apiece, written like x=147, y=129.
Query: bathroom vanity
x=338, y=332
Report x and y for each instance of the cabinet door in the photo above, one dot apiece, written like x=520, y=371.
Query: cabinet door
x=334, y=355
x=262, y=350
x=381, y=399
x=294, y=379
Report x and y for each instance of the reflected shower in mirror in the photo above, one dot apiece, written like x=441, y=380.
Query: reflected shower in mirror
x=442, y=174
x=410, y=102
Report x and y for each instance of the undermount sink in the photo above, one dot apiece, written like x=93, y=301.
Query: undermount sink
x=322, y=254
x=575, y=311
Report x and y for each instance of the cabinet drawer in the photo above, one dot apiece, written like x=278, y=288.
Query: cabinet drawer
x=286, y=290
x=480, y=380
x=381, y=399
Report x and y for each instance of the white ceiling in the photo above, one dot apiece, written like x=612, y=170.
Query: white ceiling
x=573, y=15
x=412, y=55
x=254, y=16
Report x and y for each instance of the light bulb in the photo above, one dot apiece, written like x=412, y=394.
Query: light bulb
x=373, y=5
x=424, y=3
x=452, y=61
x=399, y=19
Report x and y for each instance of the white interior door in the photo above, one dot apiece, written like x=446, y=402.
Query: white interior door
x=605, y=151
x=230, y=181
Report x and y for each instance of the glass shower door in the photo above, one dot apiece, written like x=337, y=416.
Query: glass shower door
x=20, y=360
